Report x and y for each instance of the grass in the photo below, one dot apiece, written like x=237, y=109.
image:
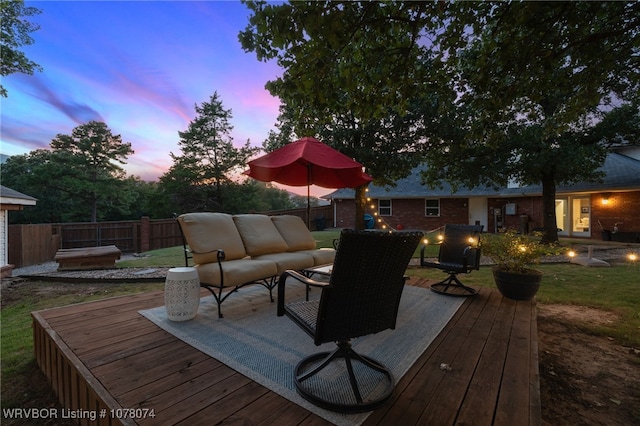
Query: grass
x=171, y=256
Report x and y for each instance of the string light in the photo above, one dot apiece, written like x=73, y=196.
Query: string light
x=435, y=235
x=633, y=259
x=383, y=224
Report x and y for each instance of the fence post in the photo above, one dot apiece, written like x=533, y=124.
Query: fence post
x=145, y=237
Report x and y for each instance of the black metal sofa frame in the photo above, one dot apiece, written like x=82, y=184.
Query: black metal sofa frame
x=230, y=252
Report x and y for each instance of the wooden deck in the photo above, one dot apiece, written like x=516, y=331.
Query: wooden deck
x=104, y=355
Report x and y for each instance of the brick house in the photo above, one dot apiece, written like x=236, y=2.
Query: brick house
x=608, y=210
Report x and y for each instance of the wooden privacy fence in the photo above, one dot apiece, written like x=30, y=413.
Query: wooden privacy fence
x=33, y=244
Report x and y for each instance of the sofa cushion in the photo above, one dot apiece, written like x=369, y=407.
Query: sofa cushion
x=296, y=261
x=208, y=232
x=323, y=256
x=236, y=272
x=294, y=232
x=259, y=234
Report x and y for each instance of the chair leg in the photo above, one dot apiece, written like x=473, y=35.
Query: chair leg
x=452, y=286
x=323, y=389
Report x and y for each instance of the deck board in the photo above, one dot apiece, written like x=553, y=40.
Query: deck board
x=104, y=354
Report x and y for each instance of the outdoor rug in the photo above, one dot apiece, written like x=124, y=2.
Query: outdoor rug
x=254, y=341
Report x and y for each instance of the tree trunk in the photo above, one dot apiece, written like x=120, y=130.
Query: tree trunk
x=549, y=223
x=361, y=203
x=94, y=208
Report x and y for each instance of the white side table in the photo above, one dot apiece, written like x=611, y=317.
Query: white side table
x=182, y=293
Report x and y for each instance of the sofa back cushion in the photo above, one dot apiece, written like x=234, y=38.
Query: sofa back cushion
x=294, y=232
x=259, y=234
x=207, y=232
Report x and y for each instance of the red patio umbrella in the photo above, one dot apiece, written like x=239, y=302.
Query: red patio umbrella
x=308, y=161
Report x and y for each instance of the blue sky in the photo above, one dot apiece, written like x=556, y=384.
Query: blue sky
x=139, y=66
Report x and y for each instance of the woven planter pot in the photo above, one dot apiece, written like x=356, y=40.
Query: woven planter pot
x=516, y=286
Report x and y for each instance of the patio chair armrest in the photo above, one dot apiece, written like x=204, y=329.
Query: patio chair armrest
x=323, y=273
x=471, y=258
x=465, y=256
x=422, y=249
x=299, y=277
x=305, y=280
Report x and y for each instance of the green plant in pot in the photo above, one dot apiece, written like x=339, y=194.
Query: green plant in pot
x=514, y=256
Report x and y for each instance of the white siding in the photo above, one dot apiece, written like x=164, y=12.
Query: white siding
x=4, y=223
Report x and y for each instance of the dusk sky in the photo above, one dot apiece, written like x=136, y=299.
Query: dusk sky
x=140, y=67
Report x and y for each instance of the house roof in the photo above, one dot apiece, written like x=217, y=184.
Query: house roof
x=11, y=196
x=622, y=173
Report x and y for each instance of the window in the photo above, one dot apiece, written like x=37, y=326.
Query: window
x=384, y=207
x=432, y=207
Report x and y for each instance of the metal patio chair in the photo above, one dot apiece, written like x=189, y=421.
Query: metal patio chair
x=361, y=297
x=459, y=253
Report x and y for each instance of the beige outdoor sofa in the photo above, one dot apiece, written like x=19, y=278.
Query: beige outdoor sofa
x=234, y=251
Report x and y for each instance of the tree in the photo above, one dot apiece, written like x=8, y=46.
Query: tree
x=76, y=180
x=87, y=161
x=15, y=33
x=535, y=79
x=498, y=74
x=33, y=174
x=208, y=161
x=255, y=196
x=355, y=75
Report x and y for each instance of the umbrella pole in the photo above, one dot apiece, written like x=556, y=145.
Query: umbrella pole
x=308, y=210
x=308, y=197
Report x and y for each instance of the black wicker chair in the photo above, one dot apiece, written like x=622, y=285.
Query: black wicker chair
x=361, y=297
x=459, y=253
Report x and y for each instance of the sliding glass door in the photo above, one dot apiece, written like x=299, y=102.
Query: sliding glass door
x=573, y=216
x=580, y=216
